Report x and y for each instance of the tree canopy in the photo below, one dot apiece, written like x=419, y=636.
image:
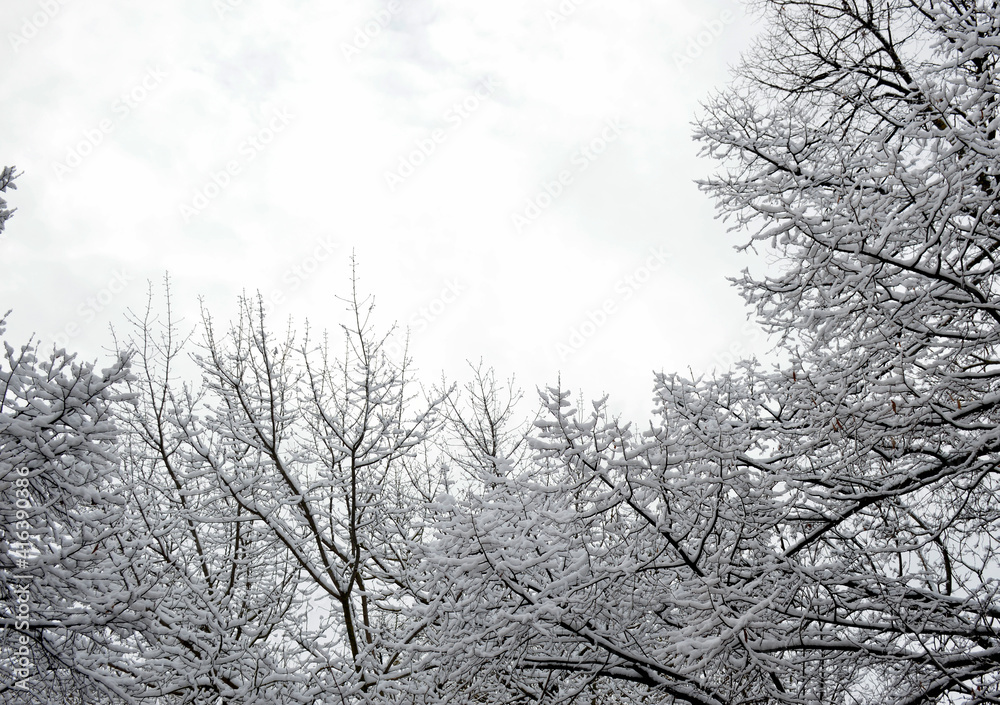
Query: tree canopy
x=302, y=525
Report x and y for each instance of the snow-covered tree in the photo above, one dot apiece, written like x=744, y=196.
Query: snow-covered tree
x=824, y=532
x=860, y=144
x=7, y=176
x=72, y=599
x=224, y=591
x=290, y=490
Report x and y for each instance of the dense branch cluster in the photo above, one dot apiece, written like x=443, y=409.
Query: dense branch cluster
x=304, y=526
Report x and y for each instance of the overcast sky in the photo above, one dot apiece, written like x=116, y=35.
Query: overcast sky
x=515, y=178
